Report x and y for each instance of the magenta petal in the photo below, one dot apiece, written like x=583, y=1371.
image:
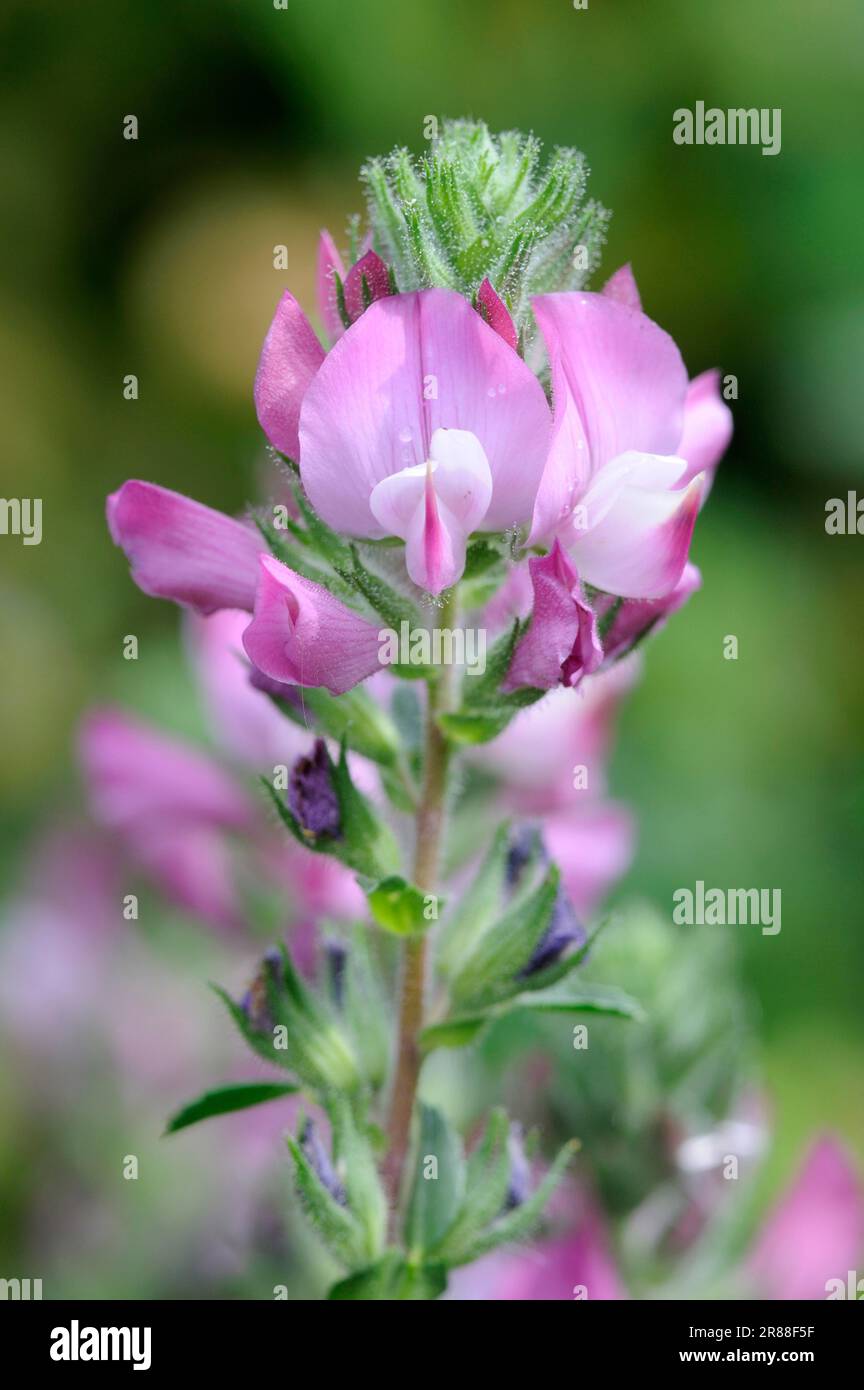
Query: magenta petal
x=414, y=363
x=636, y=617
x=372, y=269
x=561, y=645
x=329, y=261
x=815, y=1233
x=707, y=426
x=496, y=314
x=302, y=635
x=182, y=550
x=622, y=288
x=290, y=357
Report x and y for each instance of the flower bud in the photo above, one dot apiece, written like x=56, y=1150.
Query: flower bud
x=312, y=795
x=319, y=1160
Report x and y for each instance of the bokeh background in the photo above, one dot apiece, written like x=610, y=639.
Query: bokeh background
x=155, y=257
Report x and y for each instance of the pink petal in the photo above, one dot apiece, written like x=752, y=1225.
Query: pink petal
x=547, y=1271
x=618, y=383
x=290, y=357
x=302, y=635
x=371, y=268
x=636, y=616
x=561, y=645
x=707, y=426
x=594, y=846
x=194, y=868
x=435, y=507
x=244, y=721
x=328, y=261
x=414, y=363
x=184, y=551
x=496, y=314
x=815, y=1233
x=140, y=777
x=622, y=288
x=640, y=548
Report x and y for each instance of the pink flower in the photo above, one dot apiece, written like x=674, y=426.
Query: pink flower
x=618, y=487
x=303, y=635
x=173, y=809
x=184, y=551
x=816, y=1231
x=561, y=645
x=422, y=423
x=496, y=314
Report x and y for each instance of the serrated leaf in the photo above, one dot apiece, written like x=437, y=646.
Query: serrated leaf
x=223, y=1100
x=436, y=1196
x=491, y=972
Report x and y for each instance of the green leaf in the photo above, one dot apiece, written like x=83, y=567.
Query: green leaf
x=436, y=1195
x=491, y=972
x=399, y=907
x=334, y=1224
x=454, y=1032
x=366, y=1007
x=392, y=1279
x=225, y=1099
x=588, y=998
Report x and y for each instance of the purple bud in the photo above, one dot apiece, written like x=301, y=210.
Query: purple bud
x=335, y=960
x=525, y=846
x=319, y=1160
x=564, y=930
x=312, y=796
x=519, y=1188
x=255, y=1002
x=280, y=690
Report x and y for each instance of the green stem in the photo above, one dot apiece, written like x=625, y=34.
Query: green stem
x=427, y=853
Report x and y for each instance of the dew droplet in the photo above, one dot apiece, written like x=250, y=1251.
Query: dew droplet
x=405, y=435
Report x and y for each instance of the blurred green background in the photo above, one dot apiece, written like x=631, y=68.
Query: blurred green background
x=155, y=257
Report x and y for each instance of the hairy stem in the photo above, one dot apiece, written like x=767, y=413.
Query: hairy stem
x=427, y=852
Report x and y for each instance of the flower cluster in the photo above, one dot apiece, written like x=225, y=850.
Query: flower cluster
x=483, y=441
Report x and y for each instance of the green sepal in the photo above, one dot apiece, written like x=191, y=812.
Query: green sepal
x=486, y=711
x=520, y=1223
x=354, y=1156
x=435, y=1200
x=460, y=1030
x=477, y=908
x=335, y=1225
x=487, y=1179
x=491, y=972
x=261, y=1043
x=223, y=1100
